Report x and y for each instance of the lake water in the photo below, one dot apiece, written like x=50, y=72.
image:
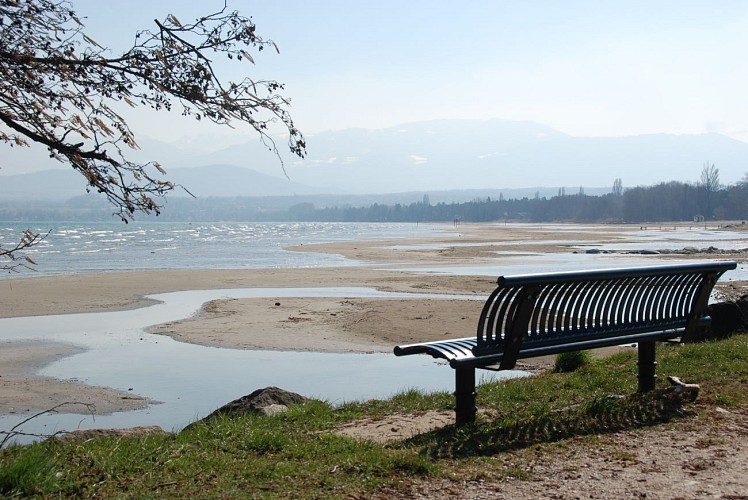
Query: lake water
x=189, y=380
x=95, y=247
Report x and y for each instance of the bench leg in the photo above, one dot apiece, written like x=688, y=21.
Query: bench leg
x=647, y=366
x=465, y=409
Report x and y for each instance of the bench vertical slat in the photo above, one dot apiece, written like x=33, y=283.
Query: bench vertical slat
x=648, y=297
x=612, y=311
x=602, y=297
x=484, y=324
x=589, y=306
x=584, y=304
x=671, y=302
x=501, y=303
x=666, y=296
x=694, y=294
x=546, y=326
x=633, y=304
x=507, y=313
x=639, y=292
x=573, y=297
x=684, y=298
x=559, y=314
x=559, y=323
x=540, y=315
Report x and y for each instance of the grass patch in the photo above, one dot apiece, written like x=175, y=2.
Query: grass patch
x=570, y=361
x=297, y=454
x=27, y=471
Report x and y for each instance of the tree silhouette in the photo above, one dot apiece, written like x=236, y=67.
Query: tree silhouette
x=617, y=187
x=709, y=183
x=60, y=88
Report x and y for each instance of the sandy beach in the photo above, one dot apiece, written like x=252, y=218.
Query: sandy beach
x=314, y=324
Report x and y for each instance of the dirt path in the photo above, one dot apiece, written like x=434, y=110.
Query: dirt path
x=702, y=457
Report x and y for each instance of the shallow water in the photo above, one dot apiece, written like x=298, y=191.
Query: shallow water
x=191, y=380
x=555, y=262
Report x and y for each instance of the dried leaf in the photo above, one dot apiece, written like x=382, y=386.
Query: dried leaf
x=174, y=20
x=29, y=259
x=91, y=41
x=248, y=56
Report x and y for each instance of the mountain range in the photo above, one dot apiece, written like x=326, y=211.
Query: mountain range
x=425, y=157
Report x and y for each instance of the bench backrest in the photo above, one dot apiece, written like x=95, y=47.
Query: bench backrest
x=546, y=310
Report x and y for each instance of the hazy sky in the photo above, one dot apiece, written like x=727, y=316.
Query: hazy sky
x=598, y=67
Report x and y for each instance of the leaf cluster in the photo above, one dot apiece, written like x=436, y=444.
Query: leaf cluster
x=60, y=88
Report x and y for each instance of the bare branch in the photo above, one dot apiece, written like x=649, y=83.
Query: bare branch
x=57, y=88
x=12, y=259
x=15, y=430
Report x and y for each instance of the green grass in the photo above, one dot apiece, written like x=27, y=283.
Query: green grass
x=296, y=454
x=570, y=361
x=27, y=470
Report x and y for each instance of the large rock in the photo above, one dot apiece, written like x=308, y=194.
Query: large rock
x=267, y=401
x=728, y=318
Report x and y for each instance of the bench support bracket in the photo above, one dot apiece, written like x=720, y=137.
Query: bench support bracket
x=647, y=366
x=465, y=408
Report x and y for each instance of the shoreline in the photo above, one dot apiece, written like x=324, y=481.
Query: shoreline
x=299, y=324
x=22, y=391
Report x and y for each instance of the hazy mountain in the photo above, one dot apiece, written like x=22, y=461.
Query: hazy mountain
x=205, y=181
x=230, y=180
x=470, y=154
x=425, y=157
x=52, y=185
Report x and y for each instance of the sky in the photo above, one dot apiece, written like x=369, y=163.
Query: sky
x=588, y=68
x=585, y=68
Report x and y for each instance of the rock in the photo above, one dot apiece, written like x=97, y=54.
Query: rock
x=273, y=410
x=727, y=318
x=267, y=401
x=148, y=430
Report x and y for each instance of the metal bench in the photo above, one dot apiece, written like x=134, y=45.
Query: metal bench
x=541, y=314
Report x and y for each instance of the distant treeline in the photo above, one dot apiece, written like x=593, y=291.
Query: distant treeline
x=671, y=201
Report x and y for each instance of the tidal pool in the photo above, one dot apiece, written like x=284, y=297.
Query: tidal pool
x=191, y=381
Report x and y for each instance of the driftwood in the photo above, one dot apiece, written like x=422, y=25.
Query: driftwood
x=682, y=389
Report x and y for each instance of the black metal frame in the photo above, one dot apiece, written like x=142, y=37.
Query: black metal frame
x=541, y=314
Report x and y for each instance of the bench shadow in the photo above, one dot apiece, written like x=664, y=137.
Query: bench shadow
x=600, y=415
